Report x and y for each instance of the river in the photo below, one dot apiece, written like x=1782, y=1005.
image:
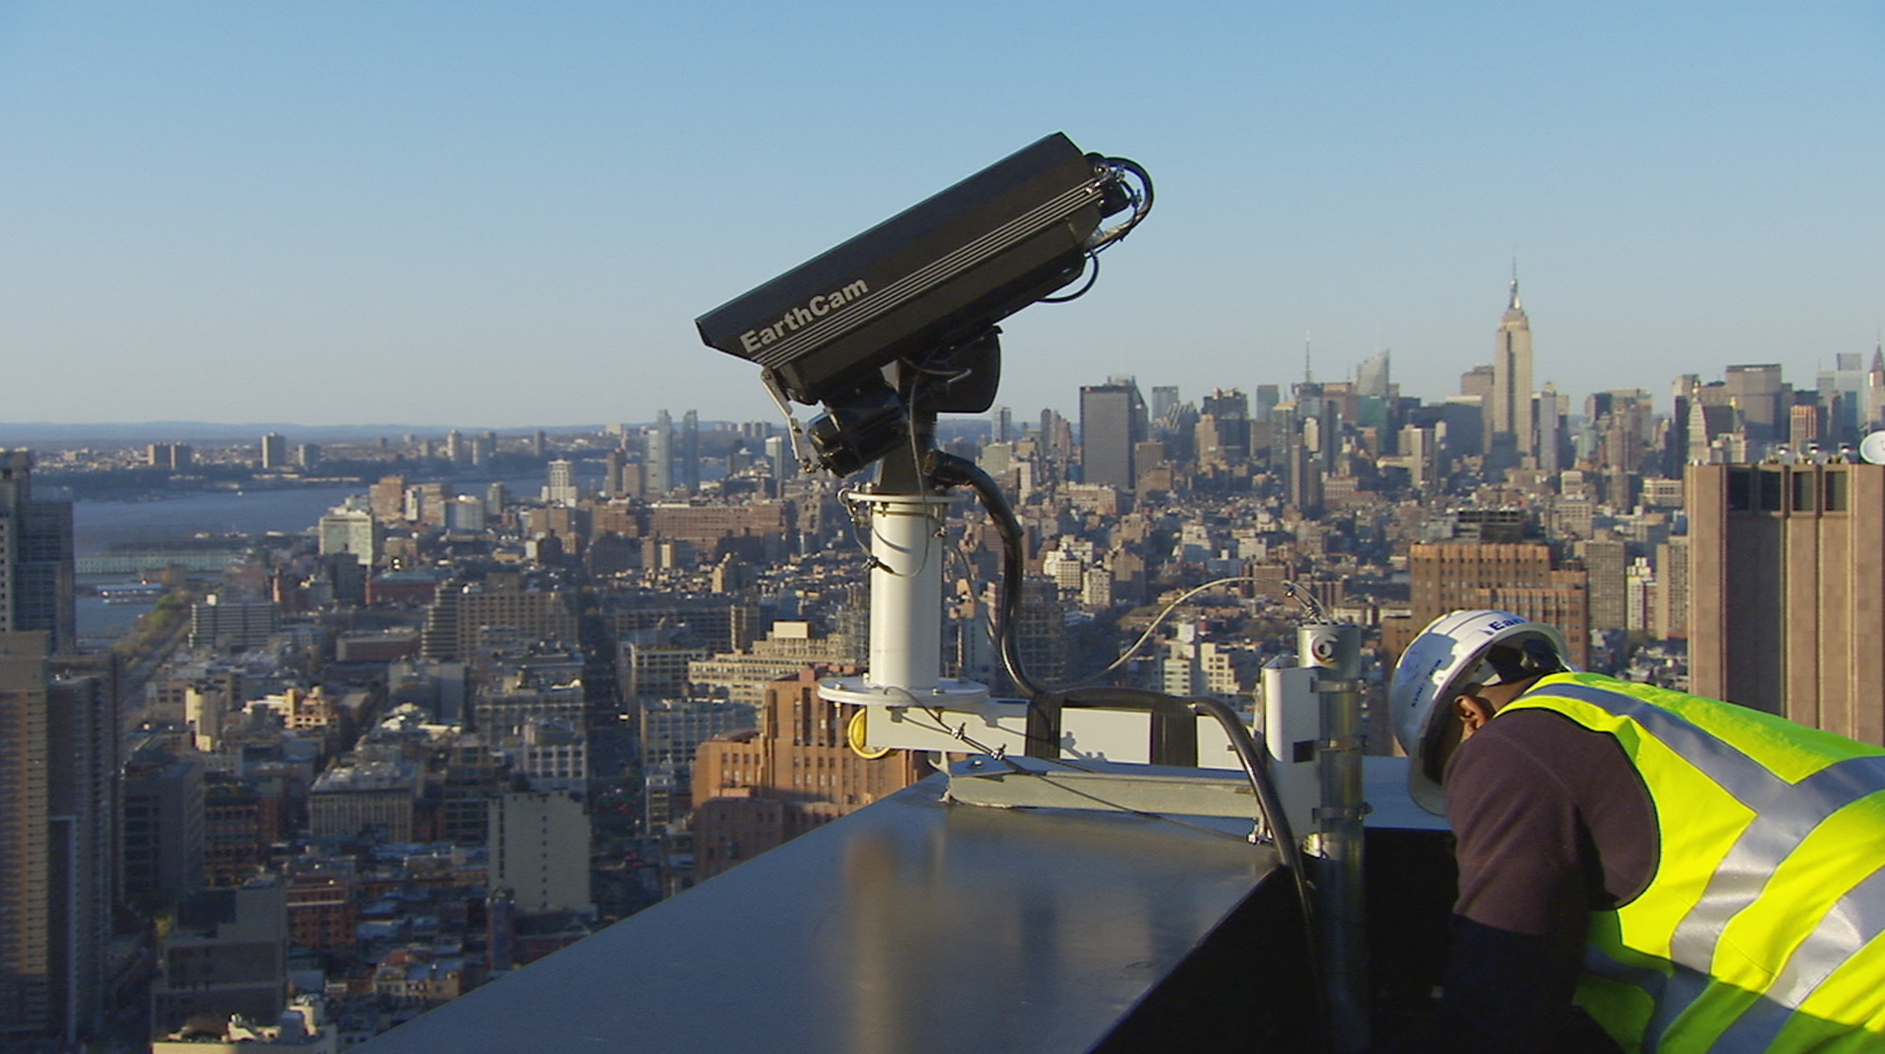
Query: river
x=101, y=526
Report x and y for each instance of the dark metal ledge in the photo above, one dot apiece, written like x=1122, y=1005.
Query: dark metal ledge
x=917, y=926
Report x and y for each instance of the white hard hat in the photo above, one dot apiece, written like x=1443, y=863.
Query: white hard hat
x=1449, y=654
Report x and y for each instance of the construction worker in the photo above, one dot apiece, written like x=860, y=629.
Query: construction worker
x=1693, y=874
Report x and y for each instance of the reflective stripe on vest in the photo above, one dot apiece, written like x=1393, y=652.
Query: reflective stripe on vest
x=1770, y=883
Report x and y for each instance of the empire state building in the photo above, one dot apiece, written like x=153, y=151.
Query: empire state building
x=1509, y=416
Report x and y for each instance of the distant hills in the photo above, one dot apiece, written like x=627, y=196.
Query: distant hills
x=208, y=433
x=119, y=434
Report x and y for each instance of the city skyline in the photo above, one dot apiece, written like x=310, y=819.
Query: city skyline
x=231, y=212
x=491, y=703
x=235, y=433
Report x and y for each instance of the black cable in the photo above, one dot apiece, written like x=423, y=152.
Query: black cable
x=1256, y=765
x=1092, y=268
x=947, y=469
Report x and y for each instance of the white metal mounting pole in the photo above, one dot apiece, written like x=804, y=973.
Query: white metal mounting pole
x=907, y=703
x=906, y=590
x=905, y=675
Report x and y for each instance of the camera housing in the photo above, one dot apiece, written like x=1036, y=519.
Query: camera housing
x=939, y=274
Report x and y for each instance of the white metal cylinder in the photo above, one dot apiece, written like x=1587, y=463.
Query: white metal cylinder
x=906, y=590
x=1292, y=723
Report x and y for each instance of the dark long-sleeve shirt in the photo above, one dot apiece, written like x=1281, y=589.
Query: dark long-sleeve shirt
x=1552, y=822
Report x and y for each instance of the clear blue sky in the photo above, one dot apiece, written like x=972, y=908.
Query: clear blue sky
x=505, y=213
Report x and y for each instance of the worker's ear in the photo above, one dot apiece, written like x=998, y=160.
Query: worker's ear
x=1474, y=711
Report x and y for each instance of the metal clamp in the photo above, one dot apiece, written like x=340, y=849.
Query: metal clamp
x=1342, y=812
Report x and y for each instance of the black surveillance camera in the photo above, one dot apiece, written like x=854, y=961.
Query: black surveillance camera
x=934, y=277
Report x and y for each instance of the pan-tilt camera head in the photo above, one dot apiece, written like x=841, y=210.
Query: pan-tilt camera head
x=902, y=319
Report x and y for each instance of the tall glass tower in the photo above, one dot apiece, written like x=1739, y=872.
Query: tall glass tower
x=1112, y=421
x=36, y=573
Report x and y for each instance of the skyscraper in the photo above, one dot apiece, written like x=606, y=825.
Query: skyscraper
x=26, y=881
x=1509, y=433
x=1419, y=454
x=1760, y=395
x=1548, y=413
x=661, y=456
x=1372, y=377
x=690, y=451
x=613, y=462
x=1875, y=389
x=177, y=457
x=1671, y=612
x=1842, y=398
x=274, y=451
x=1112, y=420
x=1621, y=422
x=1230, y=412
x=82, y=725
x=57, y=773
x=1786, y=572
x=1476, y=383
x=1268, y=395
x=1606, y=561
x=561, y=488
x=1164, y=403
x=349, y=529
x=785, y=464
x=36, y=573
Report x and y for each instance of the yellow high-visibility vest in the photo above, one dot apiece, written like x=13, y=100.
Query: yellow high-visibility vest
x=1761, y=928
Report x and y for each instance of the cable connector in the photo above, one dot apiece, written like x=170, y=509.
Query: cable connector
x=943, y=469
